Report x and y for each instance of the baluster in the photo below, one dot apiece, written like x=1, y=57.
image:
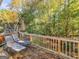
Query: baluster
x=62, y=46
x=70, y=49
x=78, y=50
x=66, y=48
x=73, y=49
x=72, y=54
x=53, y=44
x=59, y=46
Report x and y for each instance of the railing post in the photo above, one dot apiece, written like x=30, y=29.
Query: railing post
x=30, y=37
x=73, y=49
x=59, y=46
x=78, y=50
x=53, y=44
x=66, y=47
x=70, y=48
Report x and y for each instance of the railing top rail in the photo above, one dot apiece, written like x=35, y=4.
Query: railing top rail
x=55, y=38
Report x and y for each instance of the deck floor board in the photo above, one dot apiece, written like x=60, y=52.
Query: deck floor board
x=32, y=53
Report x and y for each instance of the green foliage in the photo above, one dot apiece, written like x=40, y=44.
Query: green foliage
x=52, y=17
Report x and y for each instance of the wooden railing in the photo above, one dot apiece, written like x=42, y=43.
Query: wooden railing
x=61, y=46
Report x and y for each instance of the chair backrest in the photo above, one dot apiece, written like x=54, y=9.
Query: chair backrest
x=9, y=39
x=15, y=37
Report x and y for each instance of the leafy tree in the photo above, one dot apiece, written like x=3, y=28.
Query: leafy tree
x=50, y=17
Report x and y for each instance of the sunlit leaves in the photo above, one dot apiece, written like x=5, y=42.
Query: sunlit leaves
x=50, y=17
x=8, y=16
x=16, y=3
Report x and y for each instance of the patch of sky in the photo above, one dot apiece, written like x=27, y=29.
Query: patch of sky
x=4, y=4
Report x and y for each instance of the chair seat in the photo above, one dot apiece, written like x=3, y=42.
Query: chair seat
x=17, y=47
x=24, y=43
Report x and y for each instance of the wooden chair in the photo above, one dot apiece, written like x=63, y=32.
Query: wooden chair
x=11, y=45
x=24, y=42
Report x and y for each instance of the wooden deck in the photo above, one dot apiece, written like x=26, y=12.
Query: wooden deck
x=33, y=53
x=46, y=47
